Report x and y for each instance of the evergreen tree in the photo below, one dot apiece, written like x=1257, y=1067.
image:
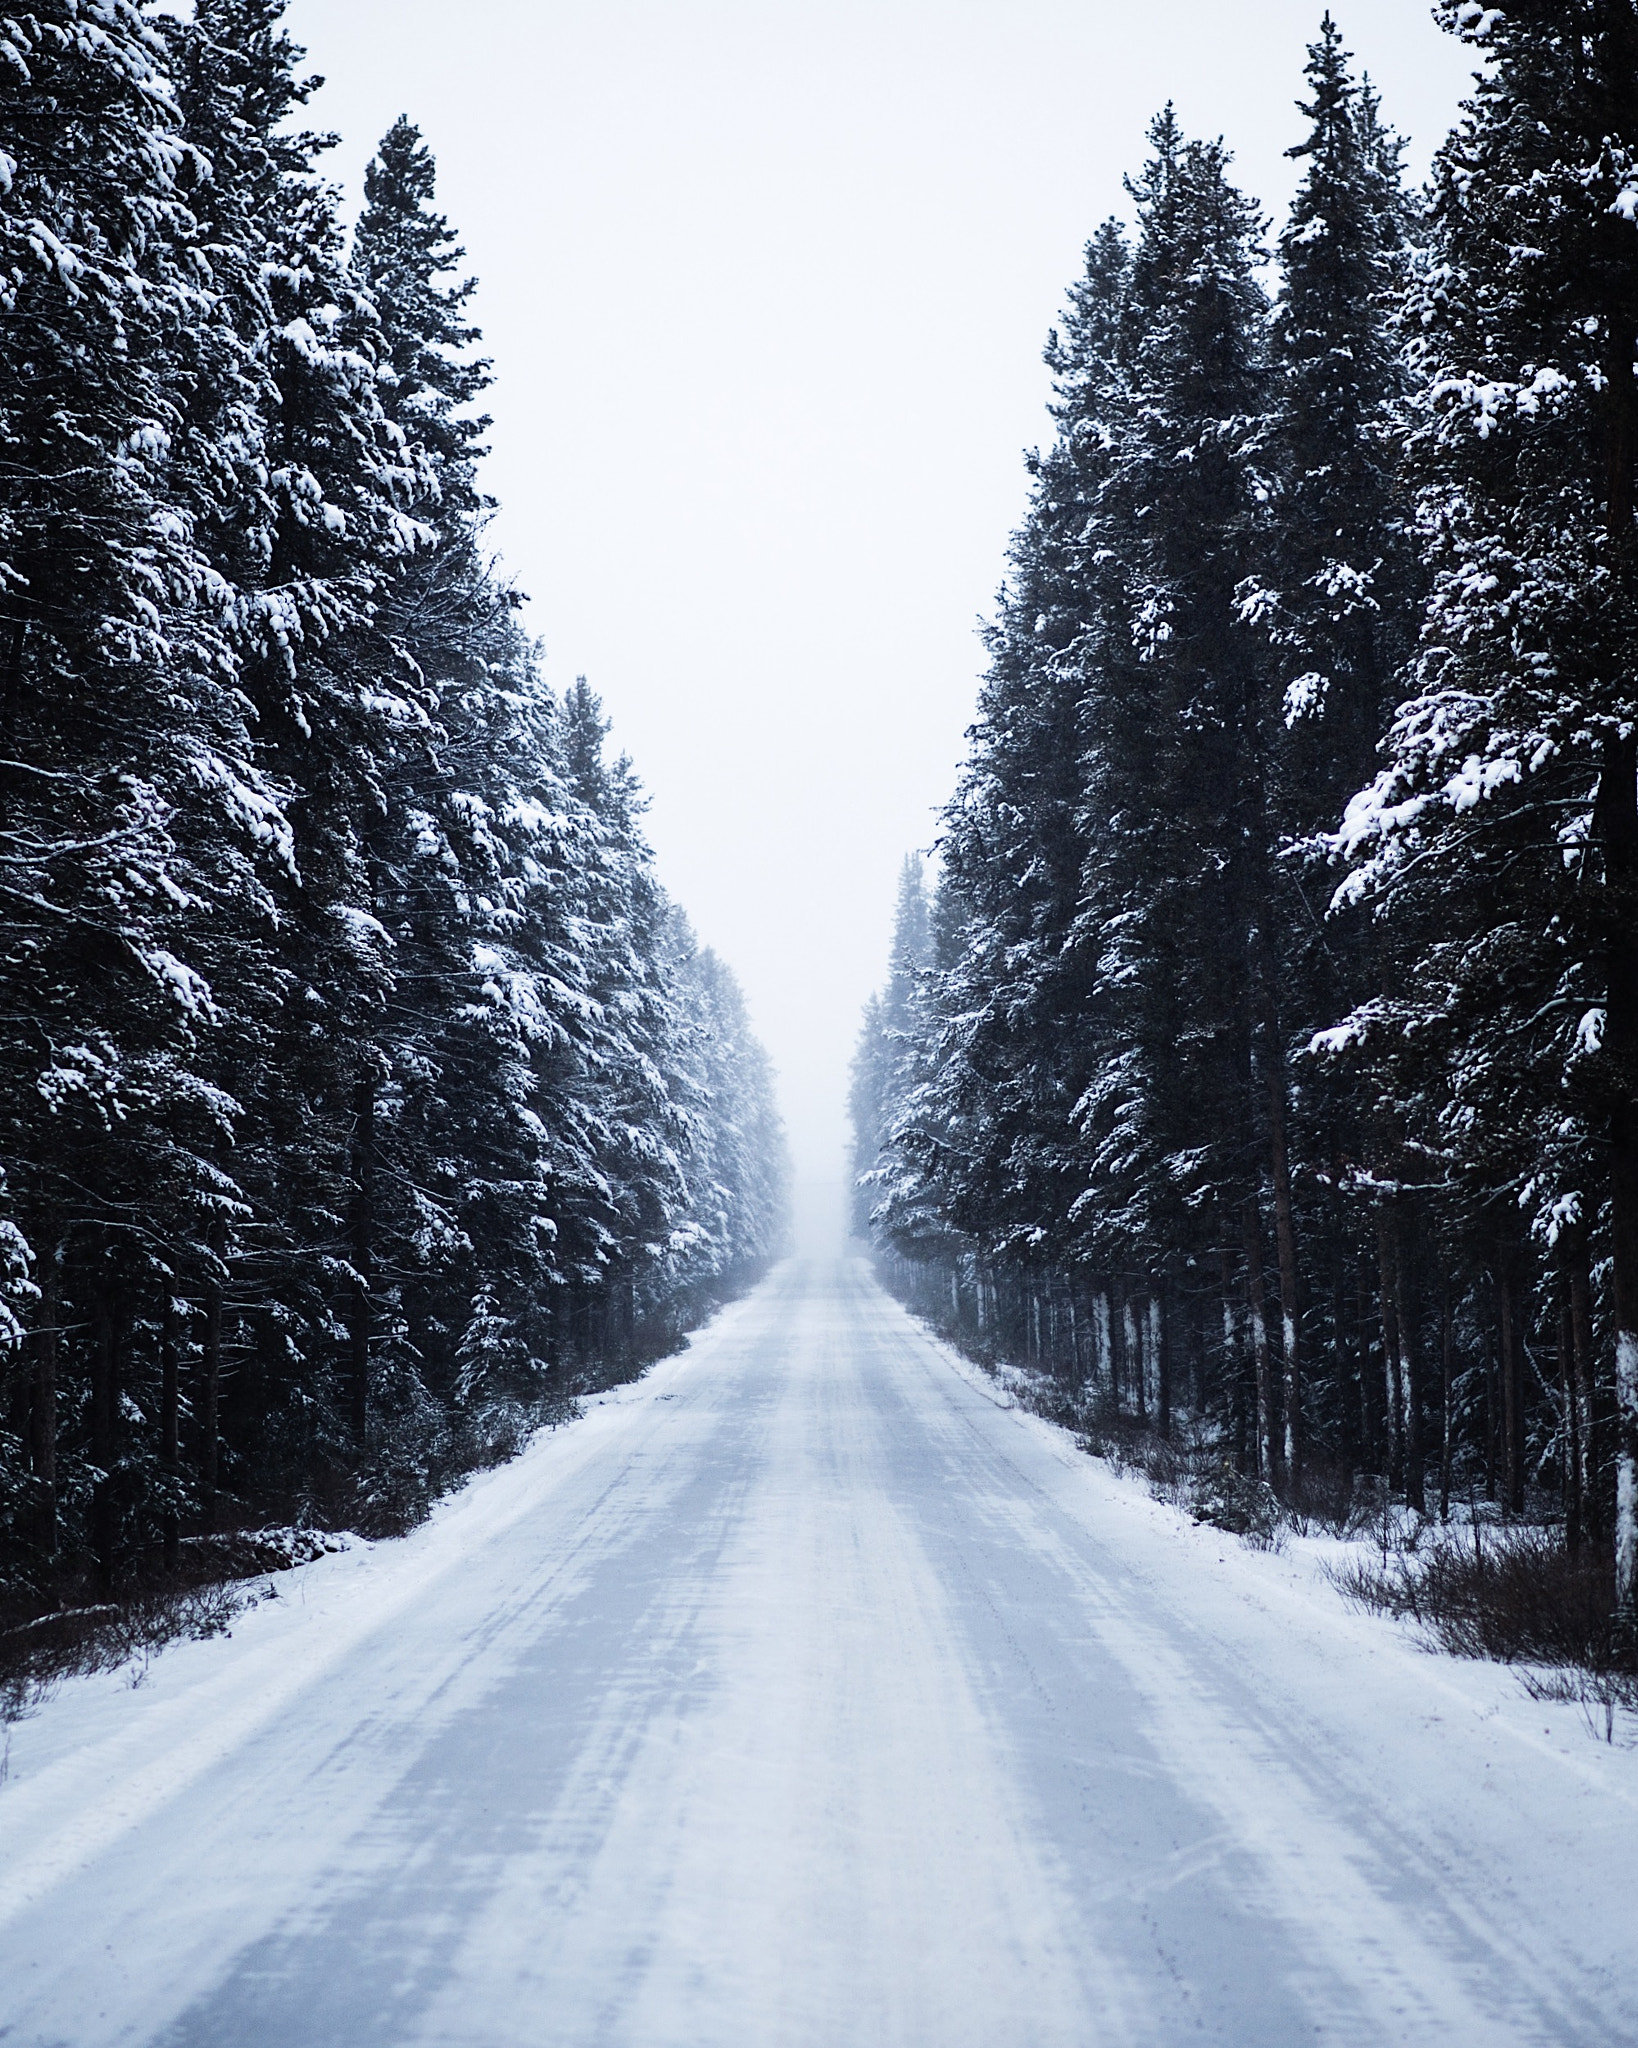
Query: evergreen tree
x=404, y=253
x=1343, y=576
x=1499, y=837
x=735, y=1165
x=130, y=810
x=361, y=1096
x=1176, y=888
x=1103, y=1061
x=1338, y=600
x=907, y=1079
x=877, y=1087
x=1015, y=847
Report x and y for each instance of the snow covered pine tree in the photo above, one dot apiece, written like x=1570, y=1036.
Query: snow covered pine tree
x=1380, y=533
x=1503, y=830
x=362, y=1094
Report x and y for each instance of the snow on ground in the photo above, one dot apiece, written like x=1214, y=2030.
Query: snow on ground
x=807, y=1692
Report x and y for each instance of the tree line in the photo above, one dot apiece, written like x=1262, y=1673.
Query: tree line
x=1268, y=1049
x=362, y=1093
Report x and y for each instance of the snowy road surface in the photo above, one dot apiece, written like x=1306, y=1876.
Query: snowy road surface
x=805, y=1694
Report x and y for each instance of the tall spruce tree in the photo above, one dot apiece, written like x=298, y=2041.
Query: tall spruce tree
x=1503, y=831
x=130, y=809
x=359, y=1093
x=1337, y=597
x=878, y=1083
x=1014, y=847
x=1176, y=887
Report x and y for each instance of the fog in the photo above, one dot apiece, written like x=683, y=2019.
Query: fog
x=766, y=287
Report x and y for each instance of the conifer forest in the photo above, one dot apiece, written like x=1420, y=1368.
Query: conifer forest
x=1263, y=1059
x=363, y=1096
x=554, y=1498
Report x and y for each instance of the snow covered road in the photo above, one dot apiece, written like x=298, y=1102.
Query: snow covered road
x=806, y=1694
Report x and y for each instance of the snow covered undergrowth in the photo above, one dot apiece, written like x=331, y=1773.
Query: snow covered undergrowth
x=1387, y=1560
x=808, y=1692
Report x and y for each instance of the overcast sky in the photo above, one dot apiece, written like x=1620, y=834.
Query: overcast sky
x=766, y=284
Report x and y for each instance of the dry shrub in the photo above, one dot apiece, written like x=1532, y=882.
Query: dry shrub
x=76, y=1641
x=153, y=1604
x=1516, y=1595
x=1130, y=1445
x=1596, y=1693
x=1326, y=1495
x=1225, y=1499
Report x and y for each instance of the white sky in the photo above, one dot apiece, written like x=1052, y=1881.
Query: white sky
x=766, y=285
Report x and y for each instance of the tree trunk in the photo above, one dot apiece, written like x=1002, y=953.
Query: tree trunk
x=361, y=1248
x=170, y=1422
x=104, y=1410
x=1285, y=1244
x=208, y=1406
x=1161, y=1353
x=1512, y=1390
x=43, y=1403
x=1617, y=817
x=1251, y=1217
x=1370, y=1436
x=1571, y=1462
x=10, y=708
x=1103, y=1344
x=1197, y=1357
x=1446, y=1406
x=1492, y=1416
x=1231, y=1357
x=1624, y=1179
x=1132, y=1346
x=1388, y=1295
x=1410, y=1382
x=1577, y=1267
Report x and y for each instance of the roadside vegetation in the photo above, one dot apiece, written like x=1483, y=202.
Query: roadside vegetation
x=364, y=1098
x=1469, y=1578
x=1259, y=1066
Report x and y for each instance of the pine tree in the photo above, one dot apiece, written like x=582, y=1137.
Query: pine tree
x=435, y=861
x=1014, y=847
x=1078, y=1088
x=335, y=693
x=1343, y=580
x=1175, y=891
x=733, y=1225
x=404, y=253
x=908, y=1081
x=133, y=815
x=891, y=1019
x=1337, y=597
x=363, y=1087
x=1500, y=832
